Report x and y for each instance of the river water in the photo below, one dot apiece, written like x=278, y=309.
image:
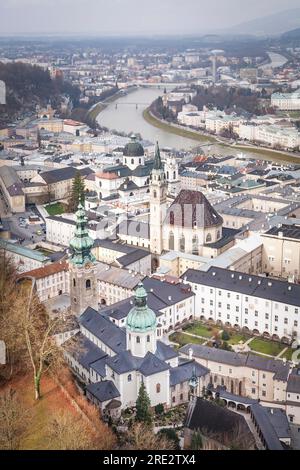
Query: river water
x=277, y=60
x=126, y=115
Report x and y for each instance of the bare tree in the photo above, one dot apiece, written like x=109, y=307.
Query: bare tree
x=142, y=437
x=37, y=328
x=14, y=420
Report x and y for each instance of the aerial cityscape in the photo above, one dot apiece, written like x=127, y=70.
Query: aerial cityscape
x=149, y=227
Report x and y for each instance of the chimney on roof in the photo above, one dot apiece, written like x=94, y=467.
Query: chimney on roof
x=280, y=234
x=190, y=353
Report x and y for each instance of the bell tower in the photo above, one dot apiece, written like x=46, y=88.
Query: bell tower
x=141, y=326
x=158, y=201
x=82, y=268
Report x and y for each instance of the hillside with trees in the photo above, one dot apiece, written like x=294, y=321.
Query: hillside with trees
x=28, y=86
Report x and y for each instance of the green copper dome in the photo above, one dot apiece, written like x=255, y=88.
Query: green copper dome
x=82, y=243
x=133, y=148
x=141, y=318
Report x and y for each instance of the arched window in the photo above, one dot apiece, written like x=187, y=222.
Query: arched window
x=218, y=234
x=171, y=218
x=208, y=238
x=174, y=175
x=74, y=282
x=125, y=160
x=167, y=175
x=129, y=378
x=171, y=241
x=138, y=339
x=148, y=338
x=100, y=184
x=132, y=161
x=157, y=388
x=154, y=194
x=182, y=243
x=131, y=194
x=88, y=284
x=195, y=243
x=140, y=160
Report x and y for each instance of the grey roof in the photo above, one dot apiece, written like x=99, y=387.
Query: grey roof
x=118, y=276
x=279, y=421
x=232, y=397
x=99, y=366
x=152, y=365
x=288, y=231
x=278, y=367
x=128, y=186
x=212, y=418
x=214, y=354
x=120, y=170
x=11, y=181
x=124, y=362
x=106, y=331
x=83, y=350
x=130, y=258
x=166, y=292
x=143, y=170
x=24, y=251
x=134, y=228
x=256, y=286
x=262, y=419
x=61, y=174
x=164, y=351
x=61, y=219
x=103, y=391
x=184, y=372
x=110, y=245
x=293, y=385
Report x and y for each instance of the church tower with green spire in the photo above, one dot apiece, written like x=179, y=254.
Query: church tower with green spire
x=158, y=201
x=82, y=267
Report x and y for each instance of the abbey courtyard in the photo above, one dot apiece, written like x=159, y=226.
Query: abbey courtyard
x=167, y=286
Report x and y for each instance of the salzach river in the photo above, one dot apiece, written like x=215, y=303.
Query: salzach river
x=126, y=115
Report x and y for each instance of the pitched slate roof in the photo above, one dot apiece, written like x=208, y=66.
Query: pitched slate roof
x=278, y=367
x=134, y=228
x=124, y=362
x=164, y=351
x=293, y=385
x=83, y=350
x=190, y=209
x=214, y=354
x=262, y=419
x=212, y=418
x=184, y=372
x=99, y=366
x=152, y=365
x=106, y=331
x=61, y=174
x=256, y=286
x=103, y=391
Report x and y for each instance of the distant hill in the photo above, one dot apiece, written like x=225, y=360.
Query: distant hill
x=271, y=25
x=294, y=34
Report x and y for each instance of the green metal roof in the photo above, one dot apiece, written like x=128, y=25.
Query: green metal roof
x=141, y=318
x=82, y=243
x=23, y=251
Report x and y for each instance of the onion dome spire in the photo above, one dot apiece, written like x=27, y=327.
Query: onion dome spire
x=82, y=243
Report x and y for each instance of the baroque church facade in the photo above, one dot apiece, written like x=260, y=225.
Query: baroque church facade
x=112, y=361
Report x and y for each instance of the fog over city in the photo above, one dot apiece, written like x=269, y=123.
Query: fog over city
x=140, y=17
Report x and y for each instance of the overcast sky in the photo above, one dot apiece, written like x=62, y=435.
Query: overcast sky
x=131, y=16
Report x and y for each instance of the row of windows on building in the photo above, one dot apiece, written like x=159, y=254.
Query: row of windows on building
x=246, y=299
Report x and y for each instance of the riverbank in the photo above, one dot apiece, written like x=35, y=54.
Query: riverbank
x=97, y=108
x=272, y=155
x=173, y=129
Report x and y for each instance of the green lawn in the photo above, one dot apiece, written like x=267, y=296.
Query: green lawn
x=267, y=347
x=183, y=339
x=199, y=329
x=288, y=354
x=55, y=209
x=236, y=338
